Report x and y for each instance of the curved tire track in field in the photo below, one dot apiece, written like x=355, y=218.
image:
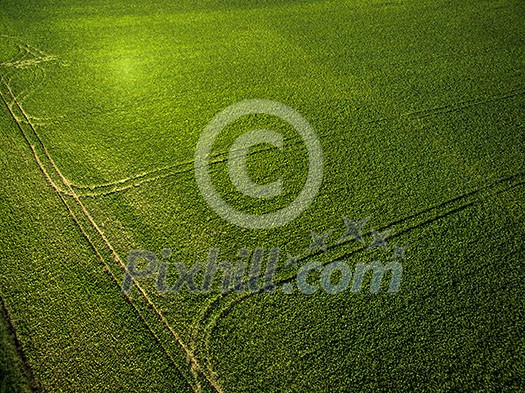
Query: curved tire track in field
x=135, y=181
x=96, y=190
x=469, y=199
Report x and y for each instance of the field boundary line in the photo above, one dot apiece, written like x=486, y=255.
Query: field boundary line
x=190, y=356
x=28, y=370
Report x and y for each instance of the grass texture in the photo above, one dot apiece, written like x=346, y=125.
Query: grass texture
x=418, y=106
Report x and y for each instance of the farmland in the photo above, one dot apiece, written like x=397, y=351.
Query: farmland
x=419, y=109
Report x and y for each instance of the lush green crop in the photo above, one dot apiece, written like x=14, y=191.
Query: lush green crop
x=418, y=106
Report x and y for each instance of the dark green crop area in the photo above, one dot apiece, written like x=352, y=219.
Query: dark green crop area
x=419, y=107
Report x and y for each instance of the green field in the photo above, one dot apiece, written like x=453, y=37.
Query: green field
x=419, y=108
